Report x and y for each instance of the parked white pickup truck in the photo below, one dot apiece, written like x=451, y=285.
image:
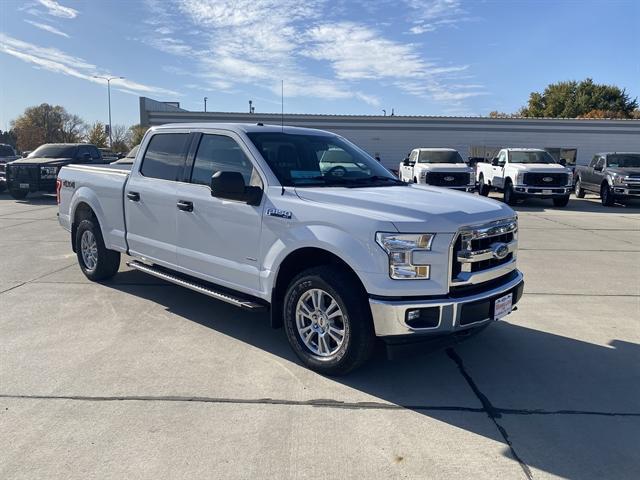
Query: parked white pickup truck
x=248, y=215
x=525, y=172
x=440, y=167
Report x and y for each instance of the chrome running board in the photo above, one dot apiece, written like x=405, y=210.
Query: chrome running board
x=177, y=279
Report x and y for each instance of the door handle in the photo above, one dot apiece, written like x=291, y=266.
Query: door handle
x=133, y=196
x=185, y=206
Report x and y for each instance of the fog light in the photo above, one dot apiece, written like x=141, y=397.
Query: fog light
x=428, y=317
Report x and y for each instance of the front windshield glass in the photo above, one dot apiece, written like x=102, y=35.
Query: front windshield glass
x=319, y=160
x=530, y=157
x=54, y=151
x=427, y=156
x=6, y=151
x=624, y=160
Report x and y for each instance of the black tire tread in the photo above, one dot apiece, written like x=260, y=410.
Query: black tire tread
x=108, y=260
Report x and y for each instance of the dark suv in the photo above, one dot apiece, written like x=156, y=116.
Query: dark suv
x=38, y=172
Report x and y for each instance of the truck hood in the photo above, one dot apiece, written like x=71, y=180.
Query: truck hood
x=444, y=167
x=41, y=161
x=540, y=167
x=412, y=208
x=635, y=171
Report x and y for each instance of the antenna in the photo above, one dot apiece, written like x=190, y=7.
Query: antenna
x=282, y=105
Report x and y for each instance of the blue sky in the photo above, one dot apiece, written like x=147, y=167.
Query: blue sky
x=420, y=57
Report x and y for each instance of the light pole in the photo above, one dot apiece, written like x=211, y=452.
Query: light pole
x=108, y=79
x=205, y=103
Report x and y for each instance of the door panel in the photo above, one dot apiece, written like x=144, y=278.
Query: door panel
x=219, y=239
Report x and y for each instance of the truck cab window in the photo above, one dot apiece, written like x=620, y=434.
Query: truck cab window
x=218, y=153
x=165, y=156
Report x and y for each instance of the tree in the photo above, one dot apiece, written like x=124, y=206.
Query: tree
x=38, y=125
x=121, y=136
x=574, y=99
x=73, y=128
x=97, y=135
x=137, y=133
x=8, y=137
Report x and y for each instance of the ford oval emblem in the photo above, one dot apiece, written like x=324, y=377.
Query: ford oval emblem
x=547, y=179
x=449, y=179
x=500, y=250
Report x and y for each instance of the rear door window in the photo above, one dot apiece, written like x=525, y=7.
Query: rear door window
x=165, y=156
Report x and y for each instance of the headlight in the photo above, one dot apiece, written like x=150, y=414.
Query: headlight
x=619, y=179
x=472, y=178
x=407, y=254
x=519, y=178
x=48, y=171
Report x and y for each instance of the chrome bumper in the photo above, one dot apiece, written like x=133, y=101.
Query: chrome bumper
x=538, y=191
x=389, y=315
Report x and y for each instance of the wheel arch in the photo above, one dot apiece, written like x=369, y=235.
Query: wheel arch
x=296, y=262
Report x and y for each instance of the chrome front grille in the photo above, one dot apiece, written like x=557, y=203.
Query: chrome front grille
x=481, y=253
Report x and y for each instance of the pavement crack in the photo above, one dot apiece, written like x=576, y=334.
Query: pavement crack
x=493, y=413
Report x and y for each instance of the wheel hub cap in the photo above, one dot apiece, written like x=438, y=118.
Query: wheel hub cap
x=320, y=322
x=89, y=250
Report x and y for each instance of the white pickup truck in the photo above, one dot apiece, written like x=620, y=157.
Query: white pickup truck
x=525, y=172
x=249, y=215
x=440, y=167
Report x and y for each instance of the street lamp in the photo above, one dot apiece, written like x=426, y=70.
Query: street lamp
x=108, y=79
x=205, y=103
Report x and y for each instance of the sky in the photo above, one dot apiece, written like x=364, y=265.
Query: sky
x=417, y=57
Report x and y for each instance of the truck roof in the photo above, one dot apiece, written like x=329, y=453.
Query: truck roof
x=618, y=153
x=523, y=149
x=430, y=149
x=245, y=128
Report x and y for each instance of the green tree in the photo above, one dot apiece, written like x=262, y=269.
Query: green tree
x=97, y=135
x=137, y=133
x=574, y=99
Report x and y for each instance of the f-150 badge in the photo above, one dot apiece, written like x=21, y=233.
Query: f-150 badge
x=275, y=212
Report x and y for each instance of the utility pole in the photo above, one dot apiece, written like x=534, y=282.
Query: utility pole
x=205, y=103
x=108, y=79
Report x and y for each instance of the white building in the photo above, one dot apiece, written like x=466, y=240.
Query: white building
x=392, y=137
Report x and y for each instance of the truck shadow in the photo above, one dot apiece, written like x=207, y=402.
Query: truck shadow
x=32, y=199
x=569, y=407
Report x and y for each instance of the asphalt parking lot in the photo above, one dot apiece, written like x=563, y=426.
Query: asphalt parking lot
x=137, y=378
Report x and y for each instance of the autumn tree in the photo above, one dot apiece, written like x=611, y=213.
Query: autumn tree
x=38, y=125
x=121, y=138
x=137, y=133
x=73, y=128
x=97, y=135
x=585, y=99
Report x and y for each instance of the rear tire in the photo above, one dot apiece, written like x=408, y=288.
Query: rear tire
x=606, y=196
x=561, y=201
x=96, y=261
x=509, y=197
x=18, y=194
x=578, y=190
x=483, y=189
x=328, y=321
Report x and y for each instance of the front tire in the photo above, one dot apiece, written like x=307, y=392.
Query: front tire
x=561, y=201
x=578, y=190
x=606, y=196
x=328, y=321
x=18, y=194
x=483, y=189
x=509, y=195
x=96, y=261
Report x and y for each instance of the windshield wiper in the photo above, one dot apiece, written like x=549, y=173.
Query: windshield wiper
x=376, y=178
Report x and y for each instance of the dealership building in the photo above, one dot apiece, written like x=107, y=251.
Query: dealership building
x=392, y=137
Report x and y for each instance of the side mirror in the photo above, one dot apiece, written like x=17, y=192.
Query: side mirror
x=406, y=162
x=495, y=162
x=86, y=158
x=230, y=185
x=562, y=162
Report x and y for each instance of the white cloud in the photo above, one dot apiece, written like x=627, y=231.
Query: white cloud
x=47, y=28
x=56, y=61
x=429, y=15
x=57, y=10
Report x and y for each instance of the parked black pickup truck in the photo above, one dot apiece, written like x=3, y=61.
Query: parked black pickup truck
x=38, y=172
x=613, y=176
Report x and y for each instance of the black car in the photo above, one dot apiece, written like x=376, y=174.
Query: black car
x=7, y=154
x=38, y=172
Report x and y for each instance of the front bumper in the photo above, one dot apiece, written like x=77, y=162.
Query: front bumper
x=627, y=190
x=542, y=191
x=389, y=315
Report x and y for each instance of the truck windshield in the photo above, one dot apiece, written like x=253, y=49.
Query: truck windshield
x=624, y=160
x=439, y=157
x=6, y=151
x=530, y=157
x=319, y=160
x=54, y=151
